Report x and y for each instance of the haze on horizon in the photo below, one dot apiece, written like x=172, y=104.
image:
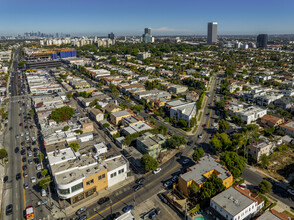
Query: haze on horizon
x=130, y=17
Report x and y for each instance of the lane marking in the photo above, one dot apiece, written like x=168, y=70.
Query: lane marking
x=23, y=189
x=134, y=192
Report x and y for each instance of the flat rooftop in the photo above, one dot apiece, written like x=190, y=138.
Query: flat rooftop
x=232, y=201
x=204, y=165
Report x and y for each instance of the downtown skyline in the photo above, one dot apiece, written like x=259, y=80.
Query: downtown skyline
x=131, y=17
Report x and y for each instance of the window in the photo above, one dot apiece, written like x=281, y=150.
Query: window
x=77, y=187
x=113, y=175
x=64, y=191
x=99, y=177
x=88, y=183
x=92, y=181
x=121, y=171
x=103, y=175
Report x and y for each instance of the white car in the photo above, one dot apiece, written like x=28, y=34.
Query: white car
x=21, y=134
x=200, y=135
x=33, y=179
x=43, y=193
x=39, y=167
x=157, y=170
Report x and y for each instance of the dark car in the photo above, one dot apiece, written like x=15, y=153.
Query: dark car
x=140, y=180
x=22, y=143
x=103, y=200
x=20, y=124
x=31, y=126
x=35, y=154
x=83, y=217
x=5, y=179
x=81, y=210
x=37, y=161
x=10, y=128
x=179, y=154
x=26, y=127
x=9, y=209
x=190, y=143
x=113, y=216
x=16, y=149
x=127, y=208
x=18, y=176
x=24, y=167
x=137, y=187
x=204, y=126
x=30, y=161
x=24, y=159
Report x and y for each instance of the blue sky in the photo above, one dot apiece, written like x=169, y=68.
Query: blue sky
x=130, y=17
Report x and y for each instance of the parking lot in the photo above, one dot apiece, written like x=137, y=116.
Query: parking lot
x=166, y=213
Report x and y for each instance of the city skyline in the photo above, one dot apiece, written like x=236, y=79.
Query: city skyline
x=129, y=18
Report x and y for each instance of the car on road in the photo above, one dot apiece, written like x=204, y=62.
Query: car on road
x=33, y=179
x=167, y=184
x=5, y=179
x=9, y=209
x=103, y=200
x=82, y=217
x=140, y=180
x=18, y=176
x=160, y=195
x=20, y=124
x=152, y=215
x=190, y=143
x=26, y=185
x=113, y=216
x=17, y=136
x=137, y=187
x=157, y=170
x=200, y=135
x=128, y=208
x=81, y=211
x=204, y=126
x=21, y=134
x=16, y=149
x=24, y=159
x=185, y=161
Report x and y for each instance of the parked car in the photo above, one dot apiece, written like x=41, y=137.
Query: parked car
x=18, y=176
x=162, y=198
x=26, y=185
x=167, y=184
x=30, y=153
x=127, y=208
x=30, y=161
x=113, y=216
x=25, y=174
x=23, y=151
x=140, y=180
x=204, y=126
x=174, y=179
x=137, y=187
x=24, y=159
x=185, y=161
x=152, y=215
x=200, y=135
x=24, y=167
x=33, y=179
x=157, y=211
x=81, y=210
x=39, y=167
x=9, y=209
x=82, y=217
x=190, y=143
x=103, y=200
x=157, y=170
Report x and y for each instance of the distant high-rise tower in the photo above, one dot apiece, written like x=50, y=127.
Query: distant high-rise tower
x=212, y=33
x=111, y=36
x=147, y=31
x=147, y=36
x=262, y=41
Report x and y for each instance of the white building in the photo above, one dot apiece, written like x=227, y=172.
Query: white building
x=143, y=55
x=251, y=114
x=236, y=204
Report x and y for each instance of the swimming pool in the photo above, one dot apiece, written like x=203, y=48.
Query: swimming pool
x=200, y=218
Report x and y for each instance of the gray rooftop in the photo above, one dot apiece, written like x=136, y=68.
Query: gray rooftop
x=204, y=165
x=232, y=201
x=121, y=113
x=268, y=216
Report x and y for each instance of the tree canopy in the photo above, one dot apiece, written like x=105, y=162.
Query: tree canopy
x=234, y=162
x=62, y=114
x=149, y=162
x=74, y=146
x=175, y=141
x=212, y=186
x=3, y=153
x=223, y=125
x=198, y=153
x=265, y=186
x=221, y=141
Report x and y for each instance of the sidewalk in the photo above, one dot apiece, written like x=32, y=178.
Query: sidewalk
x=68, y=211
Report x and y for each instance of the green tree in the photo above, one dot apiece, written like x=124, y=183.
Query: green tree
x=223, y=125
x=105, y=125
x=149, y=162
x=193, y=189
x=198, y=153
x=265, y=186
x=212, y=186
x=264, y=160
x=74, y=146
x=41, y=156
x=44, y=172
x=32, y=112
x=62, y=114
x=68, y=95
x=175, y=141
x=216, y=143
x=3, y=154
x=98, y=106
x=45, y=182
x=66, y=128
x=234, y=162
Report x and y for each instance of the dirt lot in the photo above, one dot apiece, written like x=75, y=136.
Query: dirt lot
x=281, y=164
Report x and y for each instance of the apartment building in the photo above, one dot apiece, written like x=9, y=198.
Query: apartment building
x=257, y=150
x=271, y=121
x=150, y=144
x=235, y=203
x=138, y=127
x=116, y=117
x=251, y=114
x=288, y=128
x=199, y=173
x=79, y=176
x=274, y=215
x=181, y=110
x=96, y=114
x=177, y=89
